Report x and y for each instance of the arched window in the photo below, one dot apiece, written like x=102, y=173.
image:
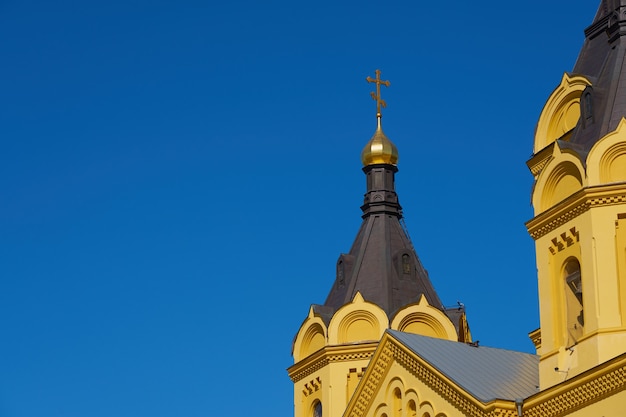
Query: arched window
x=317, y=409
x=341, y=278
x=406, y=264
x=574, y=300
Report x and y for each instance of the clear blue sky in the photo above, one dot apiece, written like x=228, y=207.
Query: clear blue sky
x=177, y=180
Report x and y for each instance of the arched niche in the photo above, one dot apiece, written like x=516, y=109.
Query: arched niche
x=573, y=290
x=563, y=176
x=395, y=385
x=561, y=112
x=311, y=337
x=606, y=162
x=423, y=319
x=357, y=321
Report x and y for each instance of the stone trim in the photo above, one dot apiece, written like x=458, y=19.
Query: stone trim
x=586, y=202
x=585, y=394
x=325, y=358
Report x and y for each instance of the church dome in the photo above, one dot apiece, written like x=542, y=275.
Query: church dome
x=379, y=150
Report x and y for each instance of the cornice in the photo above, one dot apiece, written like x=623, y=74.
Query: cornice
x=579, y=392
x=330, y=354
x=575, y=205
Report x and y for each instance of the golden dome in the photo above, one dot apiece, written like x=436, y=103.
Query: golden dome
x=379, y=150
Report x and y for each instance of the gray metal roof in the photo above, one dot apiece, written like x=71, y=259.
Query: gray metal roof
x=485, y=373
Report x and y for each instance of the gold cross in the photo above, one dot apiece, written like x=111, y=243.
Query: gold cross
x=376, y=95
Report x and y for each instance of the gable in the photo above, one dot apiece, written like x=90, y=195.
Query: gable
x=415, y=375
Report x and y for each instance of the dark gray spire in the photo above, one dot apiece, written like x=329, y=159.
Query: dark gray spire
x=382, y=264
x=602, y=61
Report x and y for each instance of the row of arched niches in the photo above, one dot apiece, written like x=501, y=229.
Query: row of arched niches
x=362, y=321
x=560, y=171
x=402, y=402
x=399, y=402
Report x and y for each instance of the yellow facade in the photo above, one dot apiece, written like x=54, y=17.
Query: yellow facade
x=330, y=360
x=580, y=204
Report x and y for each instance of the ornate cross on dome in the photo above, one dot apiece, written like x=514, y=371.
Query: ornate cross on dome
x=376, y=95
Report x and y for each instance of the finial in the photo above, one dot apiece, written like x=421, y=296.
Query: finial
x=376, y=95
x=379, y=150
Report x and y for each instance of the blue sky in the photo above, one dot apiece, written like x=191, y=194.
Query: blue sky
x=177, y=180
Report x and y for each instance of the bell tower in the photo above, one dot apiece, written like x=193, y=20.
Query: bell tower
x=579, y=201
x=380, y=284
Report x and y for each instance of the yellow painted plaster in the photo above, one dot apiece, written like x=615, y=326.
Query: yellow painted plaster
x=606, y=162
x=330, y=361
x=422, y=318
x=357, y=321
x=562, y=176
x=561, y=112
x=579, y=214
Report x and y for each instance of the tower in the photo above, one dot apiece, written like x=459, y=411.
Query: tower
x=380, y=284
x=579, y=201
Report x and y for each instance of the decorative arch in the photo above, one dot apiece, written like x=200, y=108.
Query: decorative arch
x=426, y=409
x=424, y=319
x=607, y=159
x=412, y=401
x=561, y=112
x=357, y=321
x=311, y=337
x=382, y=411
x=562, y=177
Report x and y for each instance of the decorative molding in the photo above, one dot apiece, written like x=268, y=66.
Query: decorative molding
x=312, y=386
x=586, y=393
x=561, y=220
x=297, y=373
x=564, y=240
x=435, y=382
x=614, y=199
x=540, y=164
x=573, y=207
x=535, y=337
x=379, y=369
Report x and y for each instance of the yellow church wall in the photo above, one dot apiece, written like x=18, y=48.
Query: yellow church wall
x=585, y=226
x=329, y=376
x=415, y=399
x=330, y=360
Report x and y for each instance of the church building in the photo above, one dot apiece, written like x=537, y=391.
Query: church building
x=383, y=345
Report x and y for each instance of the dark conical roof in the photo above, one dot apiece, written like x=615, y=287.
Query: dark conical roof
x=602, y=61
x=382, y=264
